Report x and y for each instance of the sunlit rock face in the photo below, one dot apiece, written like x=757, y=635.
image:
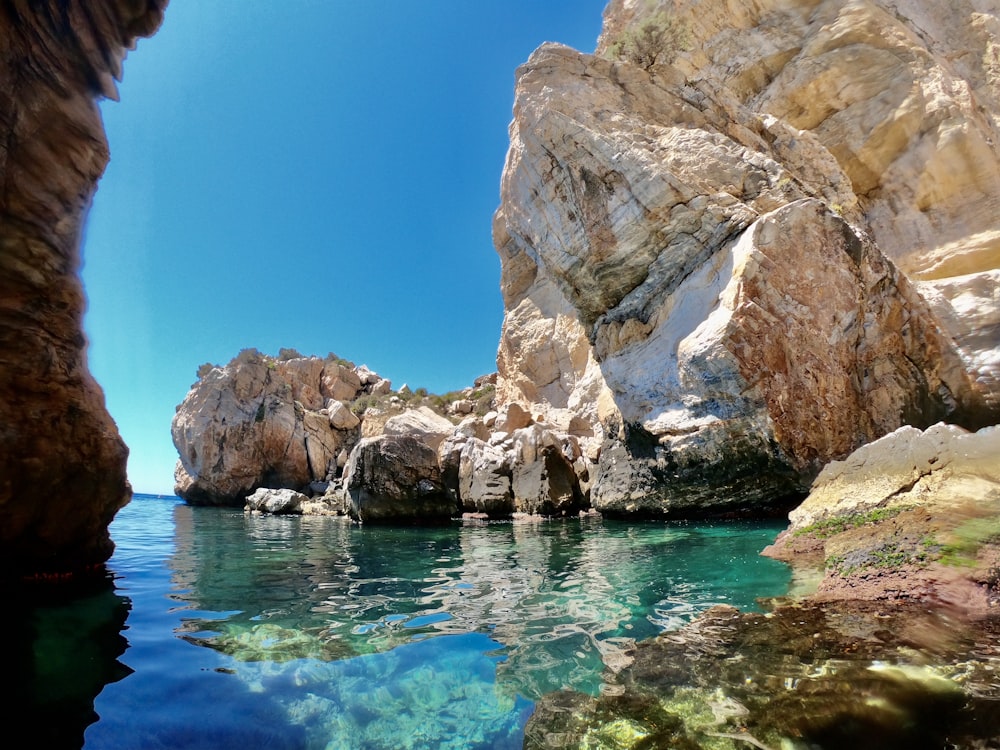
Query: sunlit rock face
x=62, y=461
x=906, y=96
x=692, y=269
x=263, y=422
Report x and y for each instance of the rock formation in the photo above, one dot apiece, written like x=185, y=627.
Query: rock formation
x=62, y=462
x=696, y=244
x=913, y=516
x=905, y=95
x=265, y=422
x=396, y=478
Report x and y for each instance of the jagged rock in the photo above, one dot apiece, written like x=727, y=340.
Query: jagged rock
x=513, y=417
x=484, y=479
x=462, y=406
x=381, y=387
x=396, y=478
x=546, y=486
x=62, y=461
x=422, y=423
x=686, y=282
x=240, y=428
x=341, y=383
x=278, y=502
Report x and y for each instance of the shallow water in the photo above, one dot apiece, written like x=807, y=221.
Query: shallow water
x=291, y=632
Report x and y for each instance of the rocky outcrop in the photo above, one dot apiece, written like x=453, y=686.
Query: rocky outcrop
x=533, y=470
x=912, y=516
x=691, y=291
x=62, y=462
x=264, y=422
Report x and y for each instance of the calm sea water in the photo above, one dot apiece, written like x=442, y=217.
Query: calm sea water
x=223, y=630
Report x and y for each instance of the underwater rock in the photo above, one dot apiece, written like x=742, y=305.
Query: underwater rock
x=799, y=677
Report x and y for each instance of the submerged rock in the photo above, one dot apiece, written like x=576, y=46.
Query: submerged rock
x=62, y=461
x=800, y=677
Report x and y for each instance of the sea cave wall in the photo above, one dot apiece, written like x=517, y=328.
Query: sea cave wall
x=62, y=461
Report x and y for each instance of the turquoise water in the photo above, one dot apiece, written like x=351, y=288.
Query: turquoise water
x=290, y=632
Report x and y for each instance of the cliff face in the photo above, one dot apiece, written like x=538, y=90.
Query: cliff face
x=62, y=462
x=266, y=422
x=714, y=235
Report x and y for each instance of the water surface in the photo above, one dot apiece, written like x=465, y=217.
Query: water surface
x=308, y=632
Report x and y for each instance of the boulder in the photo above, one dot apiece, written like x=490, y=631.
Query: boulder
x=912, y=516
x=341, y=416
x=547, y=485
x=943, y=464
x=62, y=460
x=396, y=478
x=484, y=479
x=278, y=502
x=339, y=382
x=422, y=423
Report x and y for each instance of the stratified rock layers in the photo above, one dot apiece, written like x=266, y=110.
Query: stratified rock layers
x=62, y=462
x=691, y=272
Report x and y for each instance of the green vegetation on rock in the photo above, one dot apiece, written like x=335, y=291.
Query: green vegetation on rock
x=834, y=525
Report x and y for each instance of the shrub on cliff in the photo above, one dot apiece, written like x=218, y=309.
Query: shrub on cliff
x=656, y=41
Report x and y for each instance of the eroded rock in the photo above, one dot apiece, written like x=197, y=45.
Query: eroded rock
x=62, y=462
x=242, y=427
x=691, y=287
x=396, y=478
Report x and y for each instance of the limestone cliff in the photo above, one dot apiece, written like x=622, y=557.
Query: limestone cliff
x=715, y=232
x=62, y=462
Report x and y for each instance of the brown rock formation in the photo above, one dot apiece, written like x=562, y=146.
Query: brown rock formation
x=913, y=516
x=62, y=462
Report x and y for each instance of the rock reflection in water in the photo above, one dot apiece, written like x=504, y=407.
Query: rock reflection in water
x=565, y=601
x=65, y=647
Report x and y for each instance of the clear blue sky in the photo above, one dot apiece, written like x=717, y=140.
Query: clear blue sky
x=315, y=174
